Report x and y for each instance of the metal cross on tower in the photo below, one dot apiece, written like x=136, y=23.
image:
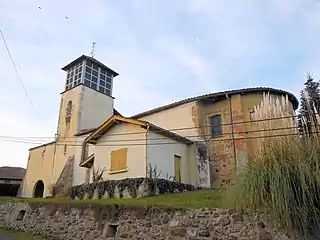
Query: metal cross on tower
x=92, y=50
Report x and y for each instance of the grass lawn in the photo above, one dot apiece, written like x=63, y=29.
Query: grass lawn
x=195, y=199
x=20, y=235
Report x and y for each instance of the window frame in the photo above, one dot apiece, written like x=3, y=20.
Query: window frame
x=101, y=81
x=114, y=156
x=74, y=76
x=212, y=134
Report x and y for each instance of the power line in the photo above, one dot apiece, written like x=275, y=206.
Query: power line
x=165, y=143
x=18, y=75
x=161, y=138
x=174, y=129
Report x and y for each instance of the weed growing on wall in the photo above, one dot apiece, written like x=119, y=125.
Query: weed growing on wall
x=283, y=177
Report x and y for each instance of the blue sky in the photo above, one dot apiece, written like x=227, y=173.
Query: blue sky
x=163, y=50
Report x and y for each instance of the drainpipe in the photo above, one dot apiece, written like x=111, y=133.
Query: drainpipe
x=54, y=156
x=147, y=132
x=55, y=143
x=232, y=131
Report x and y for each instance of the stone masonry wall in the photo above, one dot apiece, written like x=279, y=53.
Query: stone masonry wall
x=81, y=222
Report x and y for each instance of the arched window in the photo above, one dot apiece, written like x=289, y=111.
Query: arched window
x=69, y=109
x=65, y=149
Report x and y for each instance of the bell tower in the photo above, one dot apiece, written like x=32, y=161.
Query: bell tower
x=86, y=101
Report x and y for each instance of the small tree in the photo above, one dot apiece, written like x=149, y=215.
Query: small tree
x=309, y=105
x=152, y=171
x=97, y=175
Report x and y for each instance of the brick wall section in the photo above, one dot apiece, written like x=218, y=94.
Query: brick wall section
x=64, y=181
x=100, y=222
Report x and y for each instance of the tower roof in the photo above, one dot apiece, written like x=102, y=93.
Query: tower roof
x=84, y=57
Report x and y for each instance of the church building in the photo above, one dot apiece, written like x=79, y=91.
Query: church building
x=200, y=140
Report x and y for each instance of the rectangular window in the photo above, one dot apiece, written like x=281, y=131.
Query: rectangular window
x=94, y=79
x=89, y=64
x=102, y=83
x=118, y=160
x=87, y=75
x=216, y=128
x=87, y=83
x=88, y=70
x=177, y=167
x=108, y=80
x=95, y=73
x=94, y=86
x=95, y=66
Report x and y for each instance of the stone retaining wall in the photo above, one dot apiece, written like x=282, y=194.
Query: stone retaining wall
x=79, y=222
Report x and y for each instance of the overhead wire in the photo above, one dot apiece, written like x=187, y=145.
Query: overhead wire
x=172, y=143
x=168, y=129
x=65, y=140
x=18, y=75
x=102, y=143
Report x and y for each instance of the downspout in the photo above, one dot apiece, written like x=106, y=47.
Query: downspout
x=54, y=156
x=232, y=132
x=147, y=132
x=83, y=148
x=55, y=143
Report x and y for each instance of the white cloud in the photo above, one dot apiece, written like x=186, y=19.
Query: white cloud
x=183, y=55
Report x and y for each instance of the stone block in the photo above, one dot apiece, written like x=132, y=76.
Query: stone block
x=143, y=189
x=126, y=193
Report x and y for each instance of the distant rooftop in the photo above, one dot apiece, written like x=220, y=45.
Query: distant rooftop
x=12, y=172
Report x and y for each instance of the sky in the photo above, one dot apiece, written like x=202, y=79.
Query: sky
x=163, y=50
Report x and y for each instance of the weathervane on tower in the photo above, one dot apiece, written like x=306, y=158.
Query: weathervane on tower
x=92, y=50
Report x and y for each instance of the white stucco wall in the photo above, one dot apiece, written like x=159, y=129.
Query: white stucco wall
x=79, y=173
x=176, y=118
x=94, y=109
x=136, y=155
x=161, y=151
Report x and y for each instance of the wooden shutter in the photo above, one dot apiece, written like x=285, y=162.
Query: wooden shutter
x=177, y=171
x=122, y=159
x=114, y=161
x=118, y=159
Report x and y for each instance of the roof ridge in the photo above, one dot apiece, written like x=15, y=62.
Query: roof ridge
x=292, y=98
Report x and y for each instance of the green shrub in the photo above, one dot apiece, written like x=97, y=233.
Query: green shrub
x=284, y=182
x=283, y=176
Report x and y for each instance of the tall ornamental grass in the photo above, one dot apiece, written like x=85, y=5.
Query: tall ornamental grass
x=283, y=177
